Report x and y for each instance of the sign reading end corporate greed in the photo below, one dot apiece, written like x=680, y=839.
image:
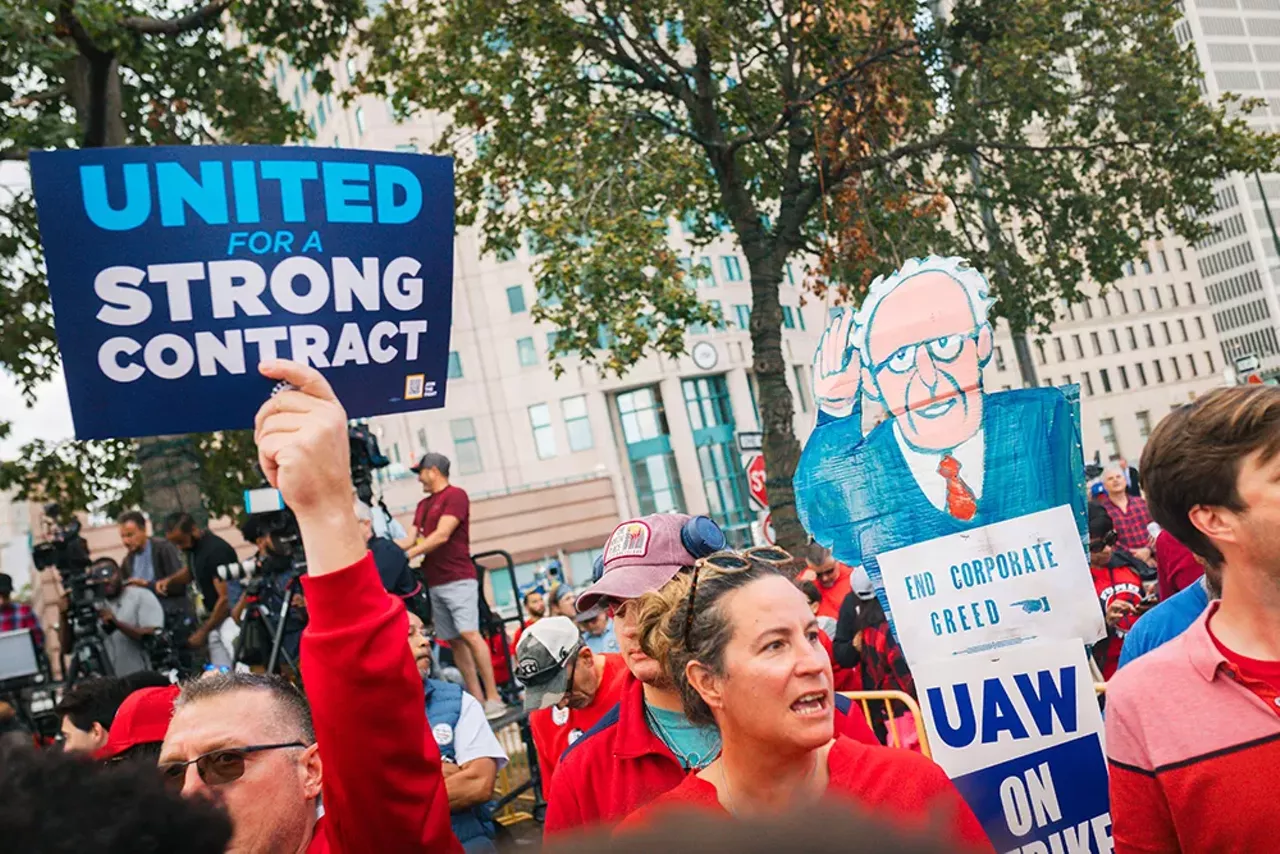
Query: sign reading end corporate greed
x=175, y=271
x=1020, y=735
x=995, y=586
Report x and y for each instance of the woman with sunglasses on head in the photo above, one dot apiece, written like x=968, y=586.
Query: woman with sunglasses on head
x=1120, y=590
x=741, y=645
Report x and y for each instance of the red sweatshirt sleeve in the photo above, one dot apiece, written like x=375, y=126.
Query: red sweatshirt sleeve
x=383, y=789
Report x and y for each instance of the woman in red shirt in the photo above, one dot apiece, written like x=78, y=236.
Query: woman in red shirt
x=741, y=645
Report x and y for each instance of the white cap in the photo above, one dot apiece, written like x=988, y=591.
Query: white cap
x=861, y=584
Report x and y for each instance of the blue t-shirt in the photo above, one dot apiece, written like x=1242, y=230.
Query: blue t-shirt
x=694, y=746
x=1165, y=622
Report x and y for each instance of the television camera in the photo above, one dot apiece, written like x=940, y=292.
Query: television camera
x=64, y=549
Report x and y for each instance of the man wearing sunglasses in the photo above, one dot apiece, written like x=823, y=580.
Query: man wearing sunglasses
x=250, y=744
x=644, y=746
x=1119, y=591
x=831, y=577
x=568, y=688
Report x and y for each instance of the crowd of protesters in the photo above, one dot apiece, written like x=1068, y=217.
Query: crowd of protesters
x=687, y=677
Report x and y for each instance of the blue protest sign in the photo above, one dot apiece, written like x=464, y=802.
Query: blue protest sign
x=1020, y=736
x=175, y=270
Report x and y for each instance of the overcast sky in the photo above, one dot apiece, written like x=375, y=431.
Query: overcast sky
x=49, y=419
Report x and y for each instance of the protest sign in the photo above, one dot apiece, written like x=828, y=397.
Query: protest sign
x=1021, y=737
x=991, y=587
x=175, y=270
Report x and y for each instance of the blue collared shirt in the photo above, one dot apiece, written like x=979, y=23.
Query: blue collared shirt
x=1165, y=622
x=604, y=642
x=142, y=566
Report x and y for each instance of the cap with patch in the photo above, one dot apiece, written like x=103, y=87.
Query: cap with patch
x=143, y=718
x=640, y=556
x=861, y=584
x=542, y=660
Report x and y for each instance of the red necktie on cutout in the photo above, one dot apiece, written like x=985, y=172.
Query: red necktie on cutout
x=960, y=501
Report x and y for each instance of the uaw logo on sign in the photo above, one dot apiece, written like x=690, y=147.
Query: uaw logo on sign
x=1020, y=735
x=628, y=540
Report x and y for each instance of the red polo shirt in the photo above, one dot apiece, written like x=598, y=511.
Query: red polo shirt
x=1193, y=741
x=621, y=765
x=897, y=785
x=555, y=730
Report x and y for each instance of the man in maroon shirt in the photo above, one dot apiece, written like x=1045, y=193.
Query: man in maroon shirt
x=442, y=534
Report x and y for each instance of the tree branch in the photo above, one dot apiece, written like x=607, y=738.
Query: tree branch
x=79, y=35
x=38, y=97
x=204, y=16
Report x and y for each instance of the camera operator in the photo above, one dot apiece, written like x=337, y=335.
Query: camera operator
x=392, y=562
x=210, y=559
x=249, y=743
x=17, y=615
x=128, y=615
x=273, y=571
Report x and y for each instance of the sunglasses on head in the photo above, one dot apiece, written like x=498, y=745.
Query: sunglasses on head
x=1108, y=540
x=730, y=562
x=217, y=767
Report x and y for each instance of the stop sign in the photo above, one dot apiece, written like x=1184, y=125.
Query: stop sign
x=756, y=478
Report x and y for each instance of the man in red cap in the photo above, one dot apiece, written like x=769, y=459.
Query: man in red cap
x=140, y=725
x=644, y=746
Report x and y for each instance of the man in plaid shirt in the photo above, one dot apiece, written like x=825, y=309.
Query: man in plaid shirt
x=17, y=615
x=1129, y=514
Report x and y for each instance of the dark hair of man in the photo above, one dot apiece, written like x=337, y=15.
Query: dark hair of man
x=1193, y=458
x=294, y=712
x=58, y=803
x=135, y=517
x=142, y=679
x=180, y=521
x=810, y=590
x=147, y=753
x=251, y=529
x=817, y=554
x=1100, y=524
x=93, y=700
x=823, y=827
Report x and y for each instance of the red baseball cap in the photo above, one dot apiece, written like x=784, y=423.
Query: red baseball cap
x=640, y=556
x=143, y=718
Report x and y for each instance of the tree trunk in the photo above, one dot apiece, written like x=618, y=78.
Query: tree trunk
x=781, y=449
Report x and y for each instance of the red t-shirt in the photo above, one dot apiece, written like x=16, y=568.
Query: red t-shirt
x=1117, y=583
x=1250, y=669
x=1176, y=565
x=452, y=560
x=898, y=785
x=833, y=596
x=554, y=730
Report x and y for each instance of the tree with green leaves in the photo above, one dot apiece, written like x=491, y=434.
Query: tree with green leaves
x=1044, y=139
x=88, y=73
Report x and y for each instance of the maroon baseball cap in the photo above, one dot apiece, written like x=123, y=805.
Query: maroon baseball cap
x=143, y=718
x=640, y=556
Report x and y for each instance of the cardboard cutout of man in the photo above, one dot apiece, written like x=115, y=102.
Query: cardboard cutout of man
x=948, y=457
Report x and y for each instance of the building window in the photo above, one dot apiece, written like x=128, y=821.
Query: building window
x=1144, y=422
x=1164, y=262
x=742, y=313
x=1142, y=374
x=466, y=450
x=1182, y=328
x=791, y=275
x=1088, y=383
x=1177, y=369
x=999, y=359
x=1066, y=380
x=1124, y=378
x=1124, y=303
x=1151, y=336
x=351, y=69
x=515, y=299
x=544, y=440
x=360, y=125
x=1079, y=347
x=718, y=311
x=1109, y=438
x=788, y=318
x=1133, y=338
x=732, y=268
x=525, y=349
x=1155, y=298
x=653, y=465
x=577, y=423
x=1059, y=349
x=422, y=439
x=1164, y=327
x=1106, y=380
x=1200, y=327
x=1173, y=295
x=1146, y=266
x=1191, y=363
x=1191, y=293
x=1129, y=269
x=1115, y=341
x=1097, y=343
x=455, y=365
x=706, y=401
x=1071, y=311
x=802, y=375
x=1039, y=351
x=1106, y=304
x=1088, y=309
x=1182, y=262
x=1142, y=304
x=1159, y=370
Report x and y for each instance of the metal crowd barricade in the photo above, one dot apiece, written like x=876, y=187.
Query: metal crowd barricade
x=516, y=791
x=905, y=702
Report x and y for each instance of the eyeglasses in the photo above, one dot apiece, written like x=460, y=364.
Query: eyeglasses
x=1109, y=539
x=217, y=767
x=944, y=349
x=727, y=563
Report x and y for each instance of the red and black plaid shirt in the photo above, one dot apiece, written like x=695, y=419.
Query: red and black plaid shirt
x=1131, y=526
x=18, y=615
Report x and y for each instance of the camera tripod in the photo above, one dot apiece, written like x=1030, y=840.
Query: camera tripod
x=258, y=613
x=88, y=657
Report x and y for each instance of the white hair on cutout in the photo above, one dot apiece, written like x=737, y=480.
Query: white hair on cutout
x=976, y=288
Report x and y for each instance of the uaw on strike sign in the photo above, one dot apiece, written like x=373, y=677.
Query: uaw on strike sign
x=175, y=271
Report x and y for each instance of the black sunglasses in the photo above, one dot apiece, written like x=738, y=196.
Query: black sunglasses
x=1108, y=539
x=217, y=767
x=727, y=563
